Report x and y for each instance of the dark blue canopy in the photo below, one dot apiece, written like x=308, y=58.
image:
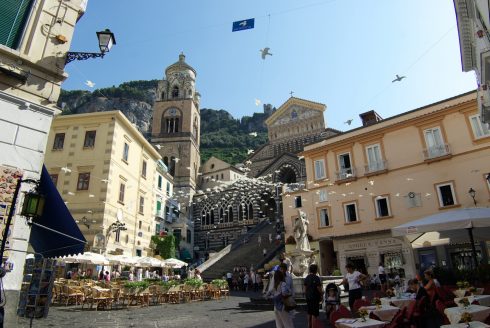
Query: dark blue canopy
x=55, y=233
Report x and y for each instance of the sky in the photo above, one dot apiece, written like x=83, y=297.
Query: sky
x=342, y=53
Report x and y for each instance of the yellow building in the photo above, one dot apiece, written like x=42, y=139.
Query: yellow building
x=365, y=181
x=106, y=172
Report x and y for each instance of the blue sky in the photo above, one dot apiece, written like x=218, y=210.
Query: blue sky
x=343, y=53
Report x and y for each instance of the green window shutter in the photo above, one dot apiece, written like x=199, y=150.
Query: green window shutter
x=159, y=206
x=13, y=18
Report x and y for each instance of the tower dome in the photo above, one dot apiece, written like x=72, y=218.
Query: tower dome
x=179, y=82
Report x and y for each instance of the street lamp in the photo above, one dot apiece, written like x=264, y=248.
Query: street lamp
x=472, y=194
x=106, y=41
x=33, y=206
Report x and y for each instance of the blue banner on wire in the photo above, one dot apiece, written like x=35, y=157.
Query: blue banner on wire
x=243, y=24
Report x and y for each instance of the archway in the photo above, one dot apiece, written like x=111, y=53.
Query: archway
x=286, y=175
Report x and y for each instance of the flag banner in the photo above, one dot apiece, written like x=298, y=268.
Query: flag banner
x=243, y=24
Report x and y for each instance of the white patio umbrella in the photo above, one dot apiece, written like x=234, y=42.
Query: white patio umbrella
x=87, y=257
x=174, y=263
x=452, y=224
x=148, y=261
x=123, y=259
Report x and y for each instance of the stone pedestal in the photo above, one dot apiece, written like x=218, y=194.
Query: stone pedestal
x=298, y=283
x=301, y=260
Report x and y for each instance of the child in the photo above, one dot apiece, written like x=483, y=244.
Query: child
x=331, y=301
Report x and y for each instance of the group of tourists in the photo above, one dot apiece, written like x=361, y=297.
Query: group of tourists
x=244, y=279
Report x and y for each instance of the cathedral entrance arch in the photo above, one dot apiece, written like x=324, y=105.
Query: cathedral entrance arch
x=286, y=175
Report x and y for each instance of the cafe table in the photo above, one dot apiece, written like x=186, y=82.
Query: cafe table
x=482, y=299
x=478, y=313
x=384, y=312
x=354, y=323
x=473, y=324
x=400, y=302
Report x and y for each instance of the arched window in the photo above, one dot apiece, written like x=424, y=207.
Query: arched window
x=208, y=218
x=250, y=214
x=203, y=217
x=221, y=215
x=212, y=216
x=171, y=168
x=172, y=124
x=195, y=128
x=230, y=213
x=189, y=93
x=175, y=92
x=163, y=95
x=165, y=161
x=241, y=212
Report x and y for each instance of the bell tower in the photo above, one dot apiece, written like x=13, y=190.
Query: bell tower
x=176, y=126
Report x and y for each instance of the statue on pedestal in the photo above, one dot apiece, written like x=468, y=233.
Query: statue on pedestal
x=302, y=256
x=301, y=232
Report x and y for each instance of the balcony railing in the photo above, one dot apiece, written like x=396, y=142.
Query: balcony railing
x=374, y=167
x=345, y=174
x=436, y=151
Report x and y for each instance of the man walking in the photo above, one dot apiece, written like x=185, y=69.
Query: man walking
x=313, y=293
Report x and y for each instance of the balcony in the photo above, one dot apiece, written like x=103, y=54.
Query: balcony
x=436, y=153
x=345, y=175
x=292, y=187
x=374, y=168
x=160, y=214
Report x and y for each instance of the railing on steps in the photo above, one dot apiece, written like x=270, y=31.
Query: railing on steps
x=236, y=244
x=216, y=257
x=270, y=256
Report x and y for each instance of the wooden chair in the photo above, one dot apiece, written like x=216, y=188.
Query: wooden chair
x=225, y=292
x=440, y=307
x=341, y=312
x=101, y=298
x=87, y=296
x=358, y=304
x=174, y=295
x=71, y=293
x=116, y=294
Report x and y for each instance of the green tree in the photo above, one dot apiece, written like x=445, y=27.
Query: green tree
x=164, y=245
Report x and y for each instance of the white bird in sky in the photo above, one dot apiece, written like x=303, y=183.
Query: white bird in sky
x=89, y=84
x=71, y=193
x=104, y=180
x=265, y=52
x=300, y=157
x=257, y=102
x=250, y=151
x=176, y=159
x=65, y=170
x=253, y=134
x=243, y=23
x=348, y=122
x=398, y=78
x=158, y=147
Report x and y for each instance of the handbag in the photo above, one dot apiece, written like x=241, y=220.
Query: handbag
x=289, y=303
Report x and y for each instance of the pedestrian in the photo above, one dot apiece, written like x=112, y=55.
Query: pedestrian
x=313, y=293
x=353, y=278
x=288, y=278
x=197, y=274
x=245, y=281
x=107, y=277
x=259, y=240
x=101, y=275
x=382, y=277
x=229, y=279
x=131, y=276
x=280, y=291
x=270, y=238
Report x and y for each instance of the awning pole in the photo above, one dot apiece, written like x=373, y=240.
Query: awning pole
x=473, y=248
x=58, y=232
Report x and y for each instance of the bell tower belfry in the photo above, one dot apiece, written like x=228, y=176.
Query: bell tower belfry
x=176, y=125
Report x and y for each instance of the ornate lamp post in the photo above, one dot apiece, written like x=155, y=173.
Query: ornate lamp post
x=106, y=41
x=33, y=206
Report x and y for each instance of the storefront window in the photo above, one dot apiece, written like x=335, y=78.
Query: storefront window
x=462, y=258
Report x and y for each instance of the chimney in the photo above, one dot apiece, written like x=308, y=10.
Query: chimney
x=370, y=118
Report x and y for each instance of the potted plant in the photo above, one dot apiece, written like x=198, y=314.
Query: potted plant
x=465, y=318
x=464, y=302
x=363, y=314
x=376, y=301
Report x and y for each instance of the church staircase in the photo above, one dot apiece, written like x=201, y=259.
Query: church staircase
x=246, y=253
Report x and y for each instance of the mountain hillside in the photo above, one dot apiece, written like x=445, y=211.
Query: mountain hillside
x=222, y=135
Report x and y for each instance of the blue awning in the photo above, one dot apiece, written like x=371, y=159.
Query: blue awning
x=55, y=233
